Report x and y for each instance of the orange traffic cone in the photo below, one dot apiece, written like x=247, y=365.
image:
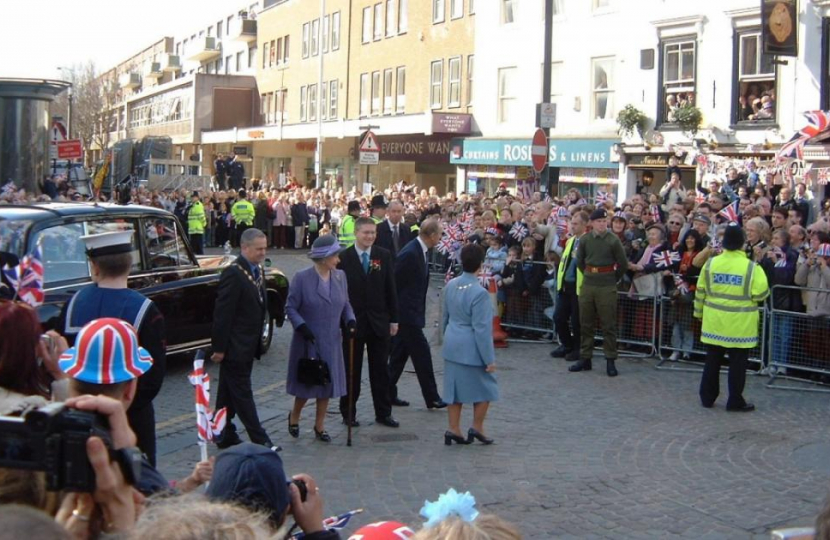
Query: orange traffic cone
x=499, y=335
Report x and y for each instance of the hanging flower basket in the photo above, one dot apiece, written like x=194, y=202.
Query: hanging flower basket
x=688, y=118
x=631, y=119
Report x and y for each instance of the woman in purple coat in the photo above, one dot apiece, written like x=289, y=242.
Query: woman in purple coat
x=318, y=306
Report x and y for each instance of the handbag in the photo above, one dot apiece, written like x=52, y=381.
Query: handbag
x=313, y=371
x=649, y=284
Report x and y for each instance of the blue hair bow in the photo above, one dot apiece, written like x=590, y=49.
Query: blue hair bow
x=449, y=504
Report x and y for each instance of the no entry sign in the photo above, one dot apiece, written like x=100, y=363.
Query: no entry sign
x=539, y=151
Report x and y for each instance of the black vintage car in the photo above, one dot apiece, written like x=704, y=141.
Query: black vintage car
x=183, y=286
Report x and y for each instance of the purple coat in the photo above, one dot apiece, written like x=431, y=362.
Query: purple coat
x=323, y=309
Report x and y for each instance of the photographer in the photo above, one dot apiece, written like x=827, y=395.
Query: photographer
x=779, y=265
x=814, y=273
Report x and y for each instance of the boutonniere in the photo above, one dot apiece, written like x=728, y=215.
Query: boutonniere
x=374, y=266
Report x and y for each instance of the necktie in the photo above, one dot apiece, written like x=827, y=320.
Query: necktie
x=396, y=240
x=364, y=258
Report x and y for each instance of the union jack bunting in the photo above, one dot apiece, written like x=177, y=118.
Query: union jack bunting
x=681, y=284
x=666, y=258
x=730, y=212
x=823, y=175
x=208, y=423
x=518, y=231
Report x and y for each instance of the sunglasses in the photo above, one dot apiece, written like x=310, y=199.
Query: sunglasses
x=674, y=223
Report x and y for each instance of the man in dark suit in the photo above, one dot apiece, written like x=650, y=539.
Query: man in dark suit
x=393, y=234
x=370, y=276
x=240, y=311
x=412, y=281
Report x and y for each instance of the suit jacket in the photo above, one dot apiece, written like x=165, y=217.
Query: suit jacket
x=384, y=238
x=412, y=282
x=373, y=296
x=239, y=313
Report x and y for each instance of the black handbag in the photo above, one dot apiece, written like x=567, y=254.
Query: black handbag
x=313, y=371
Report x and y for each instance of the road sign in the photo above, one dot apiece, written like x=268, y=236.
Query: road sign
x=539, y=151
x=71, y=149
x=369, y=149
x=546, y=115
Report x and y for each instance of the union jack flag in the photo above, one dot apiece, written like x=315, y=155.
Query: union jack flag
x=655, y=213
x=27, y=277
x=817, y=123
x=518, y=231
x=208, y=423
x=8, y=188
x=453, y=231
x=700, y=197
x=666, y=258
x=337, y=523
x=823, y=250
x=601, y=197
x=823, y=175
x=730, y=212
x=681, y=284
x=445, y=246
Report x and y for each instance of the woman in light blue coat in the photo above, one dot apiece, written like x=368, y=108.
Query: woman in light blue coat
x=468, y=349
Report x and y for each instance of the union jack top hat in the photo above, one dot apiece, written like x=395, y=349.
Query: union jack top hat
x=106, y=351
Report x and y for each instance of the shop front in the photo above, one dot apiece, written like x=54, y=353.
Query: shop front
x=649, y=172
x=590, y=165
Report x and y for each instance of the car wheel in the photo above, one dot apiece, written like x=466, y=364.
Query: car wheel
x=267, y=334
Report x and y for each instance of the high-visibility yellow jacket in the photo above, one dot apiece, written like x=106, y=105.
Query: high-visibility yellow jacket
x=243, y=212
x=729, y=289
x=347, y=231
x=567, y=255
x=196, y=219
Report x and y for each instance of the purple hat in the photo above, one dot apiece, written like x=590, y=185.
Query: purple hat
x=325, y=246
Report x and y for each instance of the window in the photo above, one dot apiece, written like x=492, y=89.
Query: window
x=507, y=94
x=400, y=103
x=454, y=75
x=312, y=103
x=376, y=92
x=326, y=23
x=239, y=57
x=378, y=26
x=364, y=94
x=279, y=51
x=178, y=48
x=165, y=247
x=456, y=9
x=470, y=65
x=64, y=255
x=508, y=11
x=228, y=61
x=219, y=30
x=251, y=56
x=391, y=18
x=387, y=91
x=282, y=114
x=333, y=100
x=403, y=16
x=601, y=4
x=367, y=24
x=228, y=23
x=436, y=83
x=602, y=84
x=305, y=40
x=272, y=60
x=263, y=107
x=678, y=78
x=438, y=9
x=315, y=37
x=266, y=54
x=324, y=103
x=756, y=85
x=285, y=50
x=303, y=96
x=219, y=66
x=335, y=31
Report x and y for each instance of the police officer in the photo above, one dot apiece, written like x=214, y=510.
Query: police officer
x=196, y=222
x=347, y=227
x=243, y=215
x=729, y=289
x=111, y=258
x=568, y=282
x=601, y=259
x=221, y=172
x=378, y=208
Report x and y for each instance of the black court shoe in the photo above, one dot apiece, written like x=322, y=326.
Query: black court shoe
x=322, y=435
x=449, y=437
x=475, y=434
x=293, y=429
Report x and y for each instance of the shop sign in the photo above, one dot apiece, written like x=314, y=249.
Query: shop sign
x=418, y=148
x=587, y=153
x=588, y=176
x=452, y=123
x=652, y=160
x=258, y=134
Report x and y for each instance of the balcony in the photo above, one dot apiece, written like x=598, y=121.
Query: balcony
x=129, y=80
x=204, y=49
x=153, y=70
x=245, y=30
x=171, y=62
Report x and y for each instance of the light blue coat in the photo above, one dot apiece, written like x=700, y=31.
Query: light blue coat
x=468, y=322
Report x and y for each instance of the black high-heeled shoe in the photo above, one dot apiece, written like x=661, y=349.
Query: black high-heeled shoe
x=449, y=437
x=475, y=434
x=293, y=429
x=322, y=435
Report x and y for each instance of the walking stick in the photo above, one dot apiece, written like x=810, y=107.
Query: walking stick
x=351, y=392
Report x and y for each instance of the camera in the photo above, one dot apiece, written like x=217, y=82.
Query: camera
x=53, y=439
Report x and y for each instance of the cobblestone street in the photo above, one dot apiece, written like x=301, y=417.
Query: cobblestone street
x=576, y=455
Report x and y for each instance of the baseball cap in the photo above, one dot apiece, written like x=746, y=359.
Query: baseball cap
x=106, y=351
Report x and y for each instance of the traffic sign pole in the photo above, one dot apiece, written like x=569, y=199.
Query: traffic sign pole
x=365, y=135
x=546, y=82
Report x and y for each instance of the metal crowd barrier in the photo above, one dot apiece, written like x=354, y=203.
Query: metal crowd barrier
x=438, y=263
x=680, y=332
x=636, y=323
x=526, y=317
x=799, y=345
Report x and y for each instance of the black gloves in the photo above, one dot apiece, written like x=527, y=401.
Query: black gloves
x=351, y=328
x=305, y=331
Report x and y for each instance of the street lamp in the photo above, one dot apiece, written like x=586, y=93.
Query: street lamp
x=69, y=93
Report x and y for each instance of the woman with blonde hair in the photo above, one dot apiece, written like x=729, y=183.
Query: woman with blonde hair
x=484, y=527
x=757, y=238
